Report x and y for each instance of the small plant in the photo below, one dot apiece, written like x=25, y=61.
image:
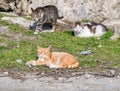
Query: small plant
x=107, y=35
x=85, y=20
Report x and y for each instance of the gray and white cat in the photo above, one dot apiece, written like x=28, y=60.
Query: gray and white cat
x=89, y=29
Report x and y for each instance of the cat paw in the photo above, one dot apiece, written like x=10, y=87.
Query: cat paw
x=35, y=32
x=52, y=30
x=54, y=66
x=28, y=65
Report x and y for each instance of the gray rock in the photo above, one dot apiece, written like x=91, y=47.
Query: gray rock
x=85, y=52
x=19, y=61
x=116, y=32
x=73, y=10
x=19, y=20
x=4, y=5
x=114, y=24
x=9, y=14
x=4, y=74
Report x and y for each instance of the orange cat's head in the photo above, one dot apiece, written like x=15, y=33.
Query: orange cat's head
x=43, y=53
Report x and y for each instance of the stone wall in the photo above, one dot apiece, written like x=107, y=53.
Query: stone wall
x=73, y=10
x=4, y=5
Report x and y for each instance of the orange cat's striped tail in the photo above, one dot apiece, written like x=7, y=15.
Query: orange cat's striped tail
x=74, y=65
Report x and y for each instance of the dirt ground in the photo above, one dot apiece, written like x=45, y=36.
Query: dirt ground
x=57, y=80
x=35, y=82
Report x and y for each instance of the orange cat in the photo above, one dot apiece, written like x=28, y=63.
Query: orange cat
x=54, y=59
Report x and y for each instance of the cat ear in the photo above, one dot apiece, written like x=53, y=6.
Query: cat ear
x=49, y=47
x=82, y=24
x=73, y=24
x=32, y=9
x=76, y=23
x=38, y=46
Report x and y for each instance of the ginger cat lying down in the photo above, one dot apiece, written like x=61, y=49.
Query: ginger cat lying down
x=54, y=59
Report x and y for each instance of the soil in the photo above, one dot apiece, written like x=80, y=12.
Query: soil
x=50, y=82
x=4, y=30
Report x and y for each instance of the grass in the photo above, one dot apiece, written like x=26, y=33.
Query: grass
x=106, y=56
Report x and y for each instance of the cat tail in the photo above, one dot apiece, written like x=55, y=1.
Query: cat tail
x=74, y=65
x=104, y=27
x=60, y=17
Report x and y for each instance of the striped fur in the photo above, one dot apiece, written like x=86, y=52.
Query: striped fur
x=44, y=14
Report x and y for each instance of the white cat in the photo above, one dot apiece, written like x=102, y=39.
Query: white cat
x=89, y=29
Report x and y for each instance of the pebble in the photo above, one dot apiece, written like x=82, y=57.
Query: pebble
x=87, y=75
x=19, y=61
x=4, y=74
x=99, y=45
x=85, y=52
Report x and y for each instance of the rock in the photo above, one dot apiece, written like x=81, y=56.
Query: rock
x=114, y=24
x=87, y=76
x=4, y=30
x=111, y=22
x=9, y=14
x=110, y=73
x=19, y=20
x=116, y=32
x=113, y=72
x=114, y=37
x=4, y=74
x=47, y=27
x=19, y=61
x=20, y=6
x=4, y=5
x=85, y=52
x=75, y=10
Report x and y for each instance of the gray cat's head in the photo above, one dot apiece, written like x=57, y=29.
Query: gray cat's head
x=37, y=13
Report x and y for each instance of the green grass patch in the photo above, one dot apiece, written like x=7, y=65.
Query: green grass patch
x=63, y=41
x=28, y=17
x=104, y=53
x=2, y=47
x=2, y=15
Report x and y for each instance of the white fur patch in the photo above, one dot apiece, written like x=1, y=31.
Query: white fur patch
x=41, y=57
x=86, y=32
x=53, y=66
